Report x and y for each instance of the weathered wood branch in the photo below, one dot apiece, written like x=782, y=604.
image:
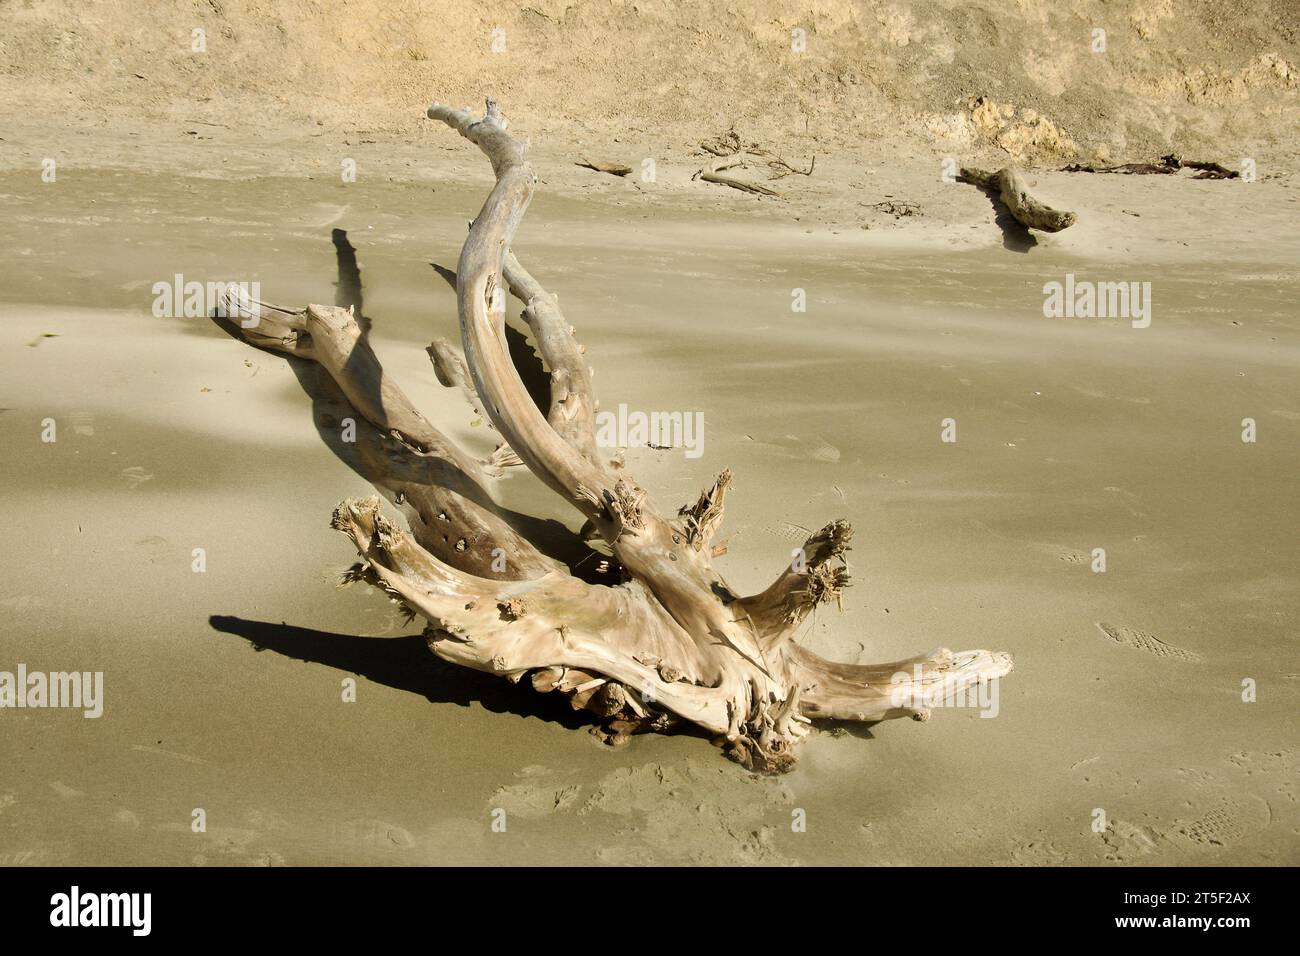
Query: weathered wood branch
x=573, y=399
x=614, y=169
x=1014, y=193
x=515, y=628
x=419, y=469
x=645, y=544
x=713, y=173
x=701, y=520
x=481, y=291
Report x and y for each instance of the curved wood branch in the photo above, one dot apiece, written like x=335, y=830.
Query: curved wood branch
x=480, y=293
x=712, y=173
x=760, y=678
x=1011, y=189
x=449, y=367
x=649, y=547
x=573, y=399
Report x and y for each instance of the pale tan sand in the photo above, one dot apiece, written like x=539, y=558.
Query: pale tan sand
x=1073, y=434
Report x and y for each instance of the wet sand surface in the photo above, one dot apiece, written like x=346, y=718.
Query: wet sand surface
x=223, y=689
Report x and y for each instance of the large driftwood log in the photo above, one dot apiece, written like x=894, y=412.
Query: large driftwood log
x=671, y=640
x=1011, y=189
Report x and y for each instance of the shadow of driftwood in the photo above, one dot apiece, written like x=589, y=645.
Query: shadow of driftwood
x=1015, y=236
x=403, y=663
x=347, y=291
x=848, y=728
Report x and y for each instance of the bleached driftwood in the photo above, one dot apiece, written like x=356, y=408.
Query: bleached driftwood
x=713, y=173
x=614, y=169
x=1013, y=192
x=671, y=640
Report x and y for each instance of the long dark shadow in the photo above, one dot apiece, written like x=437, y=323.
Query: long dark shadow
x=403, y=663
x=347, y=291
x=1016, y=237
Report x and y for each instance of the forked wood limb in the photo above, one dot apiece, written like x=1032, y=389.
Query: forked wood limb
x=713, y=173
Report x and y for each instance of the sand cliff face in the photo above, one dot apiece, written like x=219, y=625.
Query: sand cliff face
x=1032, y=79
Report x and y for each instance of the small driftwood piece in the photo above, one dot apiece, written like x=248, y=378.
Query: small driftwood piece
x=713, y=173
x=614, y=169
x=729, y=148
x=666, y=640
x=1013, y=192
x=780, y=168
x=1130, y=169
x=1168, y=165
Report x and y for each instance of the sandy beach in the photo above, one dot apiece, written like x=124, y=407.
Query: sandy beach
x=224, y=690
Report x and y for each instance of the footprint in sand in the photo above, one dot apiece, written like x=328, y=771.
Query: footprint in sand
x=1221, y=825
x=1128, y=841
x=1142, y=641
x=1038, y=853
x=1072, y=557
x=531, y=801
x=25, y=858
x=125, y=818
x=1062, y=552
x=1216, y=828
x=326, y=214
x=788, y=531
x=1276, y=767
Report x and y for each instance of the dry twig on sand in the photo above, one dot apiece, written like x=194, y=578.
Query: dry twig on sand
x=712, y=173
x=614, y=169
x=731, y=151
x=780, y=168
x=898, y=208
x=1168, y=165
